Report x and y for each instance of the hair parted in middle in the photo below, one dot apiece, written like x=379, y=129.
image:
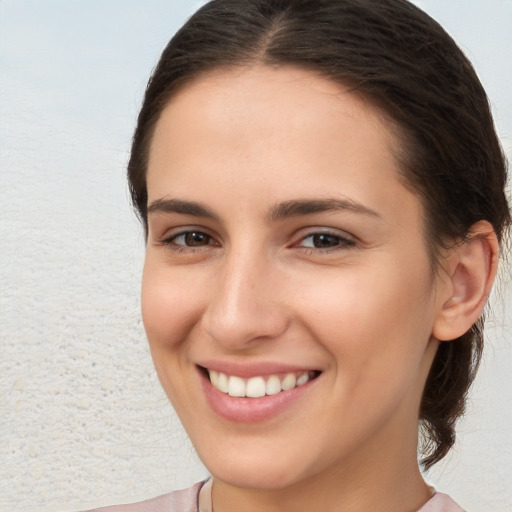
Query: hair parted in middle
x=402, y=62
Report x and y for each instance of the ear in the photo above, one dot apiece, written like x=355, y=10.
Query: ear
x=470, y=272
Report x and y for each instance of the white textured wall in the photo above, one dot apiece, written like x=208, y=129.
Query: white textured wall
x=83, y=420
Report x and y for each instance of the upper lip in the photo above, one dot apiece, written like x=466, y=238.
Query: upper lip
x=253, y=369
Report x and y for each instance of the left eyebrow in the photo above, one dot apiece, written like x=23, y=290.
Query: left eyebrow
x=301, y=207
x=179, y=206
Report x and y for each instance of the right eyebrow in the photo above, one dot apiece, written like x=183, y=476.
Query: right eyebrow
x=300, y=207
x=179, y=206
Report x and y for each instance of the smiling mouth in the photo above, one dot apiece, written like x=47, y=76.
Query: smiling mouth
x=259, y=386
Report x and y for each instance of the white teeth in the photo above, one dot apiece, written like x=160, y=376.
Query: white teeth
x=222, y=384
x=214, y=377
x=273, y=385
x=303, y=379
x=256, y=387
x=289, y=382
x=236, y=386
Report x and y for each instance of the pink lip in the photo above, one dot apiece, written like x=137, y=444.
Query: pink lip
x=251, y=410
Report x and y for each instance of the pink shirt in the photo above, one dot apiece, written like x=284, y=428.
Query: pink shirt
x=198, y=499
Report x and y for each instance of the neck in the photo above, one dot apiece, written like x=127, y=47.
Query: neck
x=409, y=496
x=385, y=478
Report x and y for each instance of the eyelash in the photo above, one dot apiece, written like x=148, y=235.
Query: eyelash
x=170, y=242
x=342, y=242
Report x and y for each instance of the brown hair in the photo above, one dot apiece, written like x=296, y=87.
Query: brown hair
x=403, y=62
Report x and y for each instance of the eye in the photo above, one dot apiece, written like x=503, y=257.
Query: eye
x=191, y=239
x=325, y=241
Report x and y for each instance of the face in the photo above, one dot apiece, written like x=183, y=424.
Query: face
x=287, y=293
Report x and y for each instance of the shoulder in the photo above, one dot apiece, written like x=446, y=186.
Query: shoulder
x=441, y=503
x=184, y=500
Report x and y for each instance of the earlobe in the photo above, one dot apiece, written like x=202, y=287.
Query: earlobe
x=472, y=267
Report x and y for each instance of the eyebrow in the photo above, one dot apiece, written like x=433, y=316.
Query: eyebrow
x=179, y=206
x=301, y=207
x=286, y=209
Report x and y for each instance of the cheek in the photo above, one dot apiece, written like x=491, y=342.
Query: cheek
x=377, y=333
x=169, y=311
x=169, y=306
x=372, y=321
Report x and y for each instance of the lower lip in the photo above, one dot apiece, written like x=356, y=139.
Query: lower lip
x=252, y=410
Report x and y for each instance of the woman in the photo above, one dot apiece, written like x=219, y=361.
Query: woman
x=322, y=191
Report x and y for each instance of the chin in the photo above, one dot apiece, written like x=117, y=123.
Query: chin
x=262, y=477
x=257, y=468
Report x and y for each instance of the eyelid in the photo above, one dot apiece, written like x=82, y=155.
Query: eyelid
x=172, y=234
x=347, y=240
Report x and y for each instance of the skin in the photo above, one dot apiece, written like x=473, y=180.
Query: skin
x=363, y=311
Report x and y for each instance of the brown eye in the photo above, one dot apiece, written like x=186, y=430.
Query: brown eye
x=193, y=239
x=326, y=241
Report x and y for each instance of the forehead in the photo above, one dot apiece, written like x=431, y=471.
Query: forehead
x=280, y=132
x=260, y=103
x=304, y=91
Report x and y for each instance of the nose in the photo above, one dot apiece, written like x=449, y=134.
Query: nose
x=246, y=307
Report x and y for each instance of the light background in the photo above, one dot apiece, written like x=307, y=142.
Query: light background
x=83, y=421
